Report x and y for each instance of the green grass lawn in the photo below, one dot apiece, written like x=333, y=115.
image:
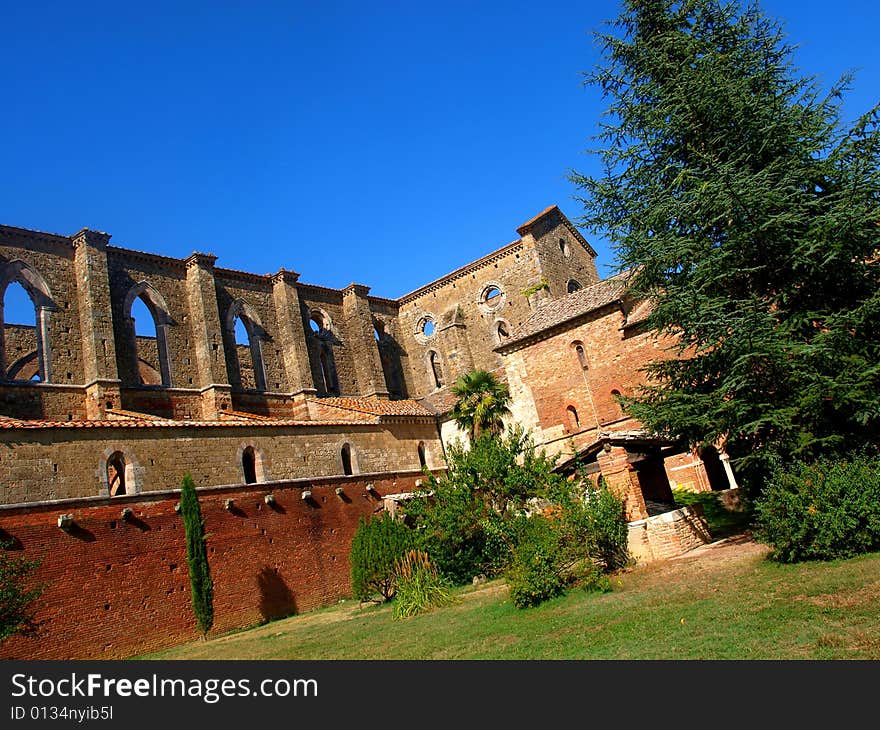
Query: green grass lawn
x=723, y=602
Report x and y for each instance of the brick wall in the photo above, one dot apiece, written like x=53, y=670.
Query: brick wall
x=117, y=588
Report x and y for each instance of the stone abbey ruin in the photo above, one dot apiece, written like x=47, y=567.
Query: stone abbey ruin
x=329, y=412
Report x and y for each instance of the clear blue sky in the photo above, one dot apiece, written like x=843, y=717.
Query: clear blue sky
x=383, y=143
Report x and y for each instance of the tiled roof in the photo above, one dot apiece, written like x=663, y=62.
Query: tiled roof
x=374, y=406
x=150, y=422
x=439, y=402
x=557, y=311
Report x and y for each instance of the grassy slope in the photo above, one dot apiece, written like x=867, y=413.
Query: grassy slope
x=728, y=603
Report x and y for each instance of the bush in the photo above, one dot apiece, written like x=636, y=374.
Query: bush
x=468, y=526
x=584, y=536
x=375, y=547
x=418, y=586
x=536, y=572
x=822, y=510
x=17, y=594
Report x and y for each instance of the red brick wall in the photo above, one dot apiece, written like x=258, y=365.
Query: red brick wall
x=115, y=588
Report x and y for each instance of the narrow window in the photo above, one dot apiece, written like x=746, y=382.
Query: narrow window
x=573, y=285
x=582, y=356
x=574, y=423
x=249, y=465
x=615, y=395
x=502, y=331
x=316, y=322
x=563, y=246
x=328, y=379
x=436, y=369
x=346, y=460
x=116, y=474
x=422, y=460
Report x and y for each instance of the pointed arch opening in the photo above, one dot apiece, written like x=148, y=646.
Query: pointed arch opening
x=574, y=422
x=435, y=370
x=148, y=318
x=25, y=306
x=249, y=465
x=345, y=456
x=247, y=334
x=329, y=383
x=116, y=474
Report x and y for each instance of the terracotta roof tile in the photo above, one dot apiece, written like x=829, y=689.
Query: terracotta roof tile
x=556, y=311
x=374, y=406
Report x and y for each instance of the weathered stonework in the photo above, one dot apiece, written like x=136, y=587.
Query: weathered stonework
x=333, y=388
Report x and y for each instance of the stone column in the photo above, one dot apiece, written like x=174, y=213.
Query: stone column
x=621, y=479
x=362, y=341
x=292, y=337
x=96, y=322
x=725, y=462
x=207, y=340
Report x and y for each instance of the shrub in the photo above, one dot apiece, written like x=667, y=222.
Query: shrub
x=821, y=510
x=17, y=594
x=607, y=530
x=536, y=572
x=468, y=526
x=375, y=547
x=418, y=585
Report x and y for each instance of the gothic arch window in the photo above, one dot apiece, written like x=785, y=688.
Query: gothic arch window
x=563, y=247
x=435, y=369
x=16, y=276
x=249, y=465
x=574, y=423
x=329, y=383
x=502, y=330
x=581, y=354
x=245, y=329
x=347, y=458
x=615, y=399
x=149, y=319
x=116, y=474
x=423, y=461
x=573, y=285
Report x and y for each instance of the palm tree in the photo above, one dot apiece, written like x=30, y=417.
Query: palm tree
x=482, y=403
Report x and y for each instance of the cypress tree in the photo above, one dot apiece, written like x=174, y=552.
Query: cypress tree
x=202, y=587
x=747, y=212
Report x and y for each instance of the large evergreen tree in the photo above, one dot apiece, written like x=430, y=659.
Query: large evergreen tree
x=202, y=587
x=748, y=212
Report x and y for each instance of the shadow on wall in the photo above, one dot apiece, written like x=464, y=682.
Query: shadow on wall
x=276, y=599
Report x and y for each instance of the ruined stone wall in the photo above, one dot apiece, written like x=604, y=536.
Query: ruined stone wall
x=117, y=588
x=20, y=342
x=62, y=463
x=464, y=325
x=127, y=269
x=562, y=256
x=53, y=258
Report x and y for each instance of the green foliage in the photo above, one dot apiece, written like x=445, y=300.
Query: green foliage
x=467, y=525
x=17, y=594
x=535, y=288
x=536, y=571
x=418, y=585
x=821, y=511
x=721, y=521
x=747, y=214
x=376, y=546
x=202, y=587
x=482, y=403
